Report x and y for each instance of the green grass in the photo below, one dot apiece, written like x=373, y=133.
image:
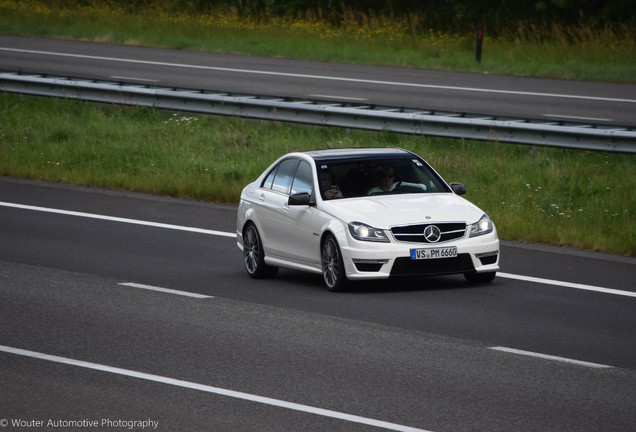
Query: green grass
x=566, y=197
x=578, y=52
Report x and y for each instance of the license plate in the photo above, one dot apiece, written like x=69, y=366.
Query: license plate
x=434, y=253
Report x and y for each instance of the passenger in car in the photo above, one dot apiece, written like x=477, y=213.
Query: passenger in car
x=329, y=190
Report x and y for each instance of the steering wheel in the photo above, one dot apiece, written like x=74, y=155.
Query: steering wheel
x=399, y=189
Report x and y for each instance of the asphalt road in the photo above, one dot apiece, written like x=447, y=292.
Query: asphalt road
x=81, y=341
x=547, y=99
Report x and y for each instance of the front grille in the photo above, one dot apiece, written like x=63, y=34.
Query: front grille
x=415, y=233
x=407, y=267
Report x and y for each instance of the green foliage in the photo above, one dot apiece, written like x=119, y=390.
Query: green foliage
x=508, y=14
x=446, y=15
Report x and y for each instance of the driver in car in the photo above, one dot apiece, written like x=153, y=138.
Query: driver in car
x=386, y=183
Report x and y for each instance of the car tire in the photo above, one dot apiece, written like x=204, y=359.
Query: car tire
x=253, y=254
x=333, y=271
x=479, y=278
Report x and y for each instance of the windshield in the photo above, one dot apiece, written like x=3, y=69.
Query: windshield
x=367, y=177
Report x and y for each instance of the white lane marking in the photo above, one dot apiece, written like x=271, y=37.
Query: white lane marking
x=567, y=284
x=577, y=118
x=339, y=97
x=550, y=357
x=321, y=77
x=210, y=389
x=119, y=219
x=164, y=290
x=117, y=77
x=233, y=235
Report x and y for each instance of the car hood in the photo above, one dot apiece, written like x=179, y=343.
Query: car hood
x=391, y=210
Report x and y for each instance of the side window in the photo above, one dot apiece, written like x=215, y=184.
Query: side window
x=283, y=176
x=303, y=180
x=267, y=184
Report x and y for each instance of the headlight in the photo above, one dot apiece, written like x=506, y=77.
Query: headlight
x=364, y=232
x=484, y=226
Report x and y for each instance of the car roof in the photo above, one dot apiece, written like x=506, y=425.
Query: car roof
x=355, y=153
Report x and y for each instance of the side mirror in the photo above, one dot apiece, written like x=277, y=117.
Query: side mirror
x=458, y=188
x=299, y=199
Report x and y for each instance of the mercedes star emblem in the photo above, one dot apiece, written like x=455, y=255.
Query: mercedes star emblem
x=432, y=234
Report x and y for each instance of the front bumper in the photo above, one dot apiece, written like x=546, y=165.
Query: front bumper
x=365, y=260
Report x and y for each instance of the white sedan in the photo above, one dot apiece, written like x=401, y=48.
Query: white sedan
x=352, y=214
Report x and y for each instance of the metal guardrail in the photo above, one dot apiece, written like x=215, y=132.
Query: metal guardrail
x=370, y=117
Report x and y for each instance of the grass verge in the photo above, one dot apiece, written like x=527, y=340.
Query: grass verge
x=566, y=197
